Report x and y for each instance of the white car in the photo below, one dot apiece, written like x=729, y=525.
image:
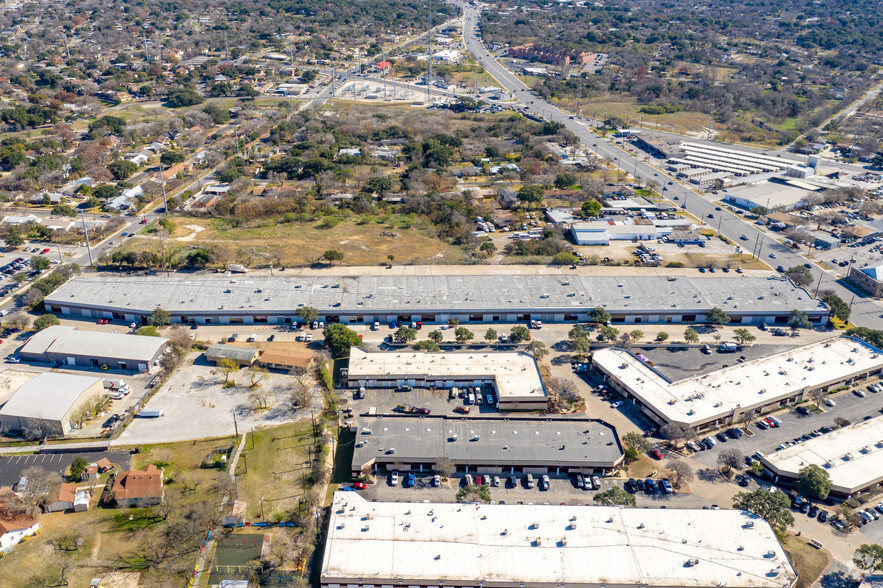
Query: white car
x=829, y=402
x=616, y=404
x=13, y=360
x=309, y=337
x=394, y=479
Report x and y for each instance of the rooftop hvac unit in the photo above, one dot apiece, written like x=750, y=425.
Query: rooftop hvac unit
x=770, y=553
x=505, y=532
x=692, y=562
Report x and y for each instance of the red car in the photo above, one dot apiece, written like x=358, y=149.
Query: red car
x=358, y=485
x=45, y=251
x=478, y=480
x=656, y=453
x=422, y=411
x=462, y=409
x=143, y=221
x=103, y=321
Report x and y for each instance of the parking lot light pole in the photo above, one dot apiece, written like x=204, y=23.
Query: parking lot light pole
x=86, y=233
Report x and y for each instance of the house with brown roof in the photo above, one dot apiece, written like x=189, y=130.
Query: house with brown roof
x=94, y=470
x=67, y=497
x=15, y=522
x=297, y=363
x=138, y=488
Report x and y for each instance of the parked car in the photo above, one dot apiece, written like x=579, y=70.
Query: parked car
x=656, y=453
x=394, y=479
x=436, y=480
x=829, y=402
x=359, y=485
x=859, y=392
x=545, y=483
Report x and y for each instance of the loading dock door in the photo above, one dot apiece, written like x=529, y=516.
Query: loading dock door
x=71, y=361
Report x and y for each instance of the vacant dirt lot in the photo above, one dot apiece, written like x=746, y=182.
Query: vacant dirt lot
x=197, y=406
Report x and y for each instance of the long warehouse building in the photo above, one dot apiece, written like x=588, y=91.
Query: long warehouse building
x=435, y=298
x=510, y=446
x=417, y=545
x=748, y=388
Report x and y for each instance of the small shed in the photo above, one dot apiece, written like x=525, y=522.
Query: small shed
x=241, y=355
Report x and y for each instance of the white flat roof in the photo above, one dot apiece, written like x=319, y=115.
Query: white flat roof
x=701, y=398
x=852, y=456
x=517, y=375
x=48, y=396
x=550, y=545
x=70, y=340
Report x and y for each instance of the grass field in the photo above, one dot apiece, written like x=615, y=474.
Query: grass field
x=808, y=561
x=274, y=468
x=359, y=238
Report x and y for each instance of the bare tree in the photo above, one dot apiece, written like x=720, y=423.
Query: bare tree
x=260, y=399
x=19, y=320
x=303, y=391
x=255, y=375
x=445, y=467
x=40, y=482
x=818, y=395
x=680, y=471
x=729, y=459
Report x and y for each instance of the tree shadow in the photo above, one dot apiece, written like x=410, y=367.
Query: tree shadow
x=838, y=579
x=709, y=475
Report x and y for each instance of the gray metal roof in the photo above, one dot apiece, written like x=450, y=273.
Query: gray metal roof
x=486, y=441
x=48, y=396
x=225, y=295
x=72, y=341
x=234, y=352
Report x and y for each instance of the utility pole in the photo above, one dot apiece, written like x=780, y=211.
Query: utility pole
x=226, y=45
x=67, y=48
x=86, y=232
x=236, y=134
x=333, y=79
x=579, y=101
x=235, y=424
x=291, y=51
x=146, y=54
x=819, y=284
x=162, y=182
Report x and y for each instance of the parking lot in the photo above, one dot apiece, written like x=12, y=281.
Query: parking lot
x=795, y=425
x=562, y=489
x=12, y=467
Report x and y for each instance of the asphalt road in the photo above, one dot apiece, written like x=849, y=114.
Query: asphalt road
x=865, y=311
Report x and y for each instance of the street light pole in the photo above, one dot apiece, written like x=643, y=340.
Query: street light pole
x=162, y=183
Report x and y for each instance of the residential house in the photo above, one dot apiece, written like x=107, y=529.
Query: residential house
x=138, y=488
x=15, y=523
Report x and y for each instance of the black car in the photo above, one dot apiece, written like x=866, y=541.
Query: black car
x=804, y=508
x=512, y=482
x=631, y=485
x=823, y=516
x=803, y=410
x=744, y=481
x=722, y=437
x=813, y=511
x=640, y=484
x=649, y=486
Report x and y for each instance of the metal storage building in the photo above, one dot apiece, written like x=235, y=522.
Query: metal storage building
x=71, y=346
x=46, y=405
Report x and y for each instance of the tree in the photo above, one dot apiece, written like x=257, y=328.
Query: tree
x=730, y=459
x=636, y=334
x=537, y=349
x=676, y=433
x=13, y=239
x=445, y=466
x=690, y=335
x=608, y=333
x=19, y=320
x=800, y=275
x=716, y=316
x=661, y=336
x=564, y=258
x=565, y=180
x=45, y=320
x=490, y=335
x=530, y=194
x=77, y=467
x=680, y=471
x=519, y=333
x=838, y=307
x=122, y=169
x=159, y=317
x=436, y=336
x=473, y=493
x=405, y=334
x=200, y=257
x=869, y=557
x=814, y=482
x=170, y=158
x=307, y=314
x=228, y=366
x=818, y=394
x=591, y=208
x=332, y=255
x=452, y=322
x=425, y=345
x=599, y=315
x=463, y=335
x=636, y=441
x=38, y=262
x=187, y=96
x=798, y=319
x=40, y=482
x=339, y=339
x=615, y=496
x=743, y=336
x=773, y=507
